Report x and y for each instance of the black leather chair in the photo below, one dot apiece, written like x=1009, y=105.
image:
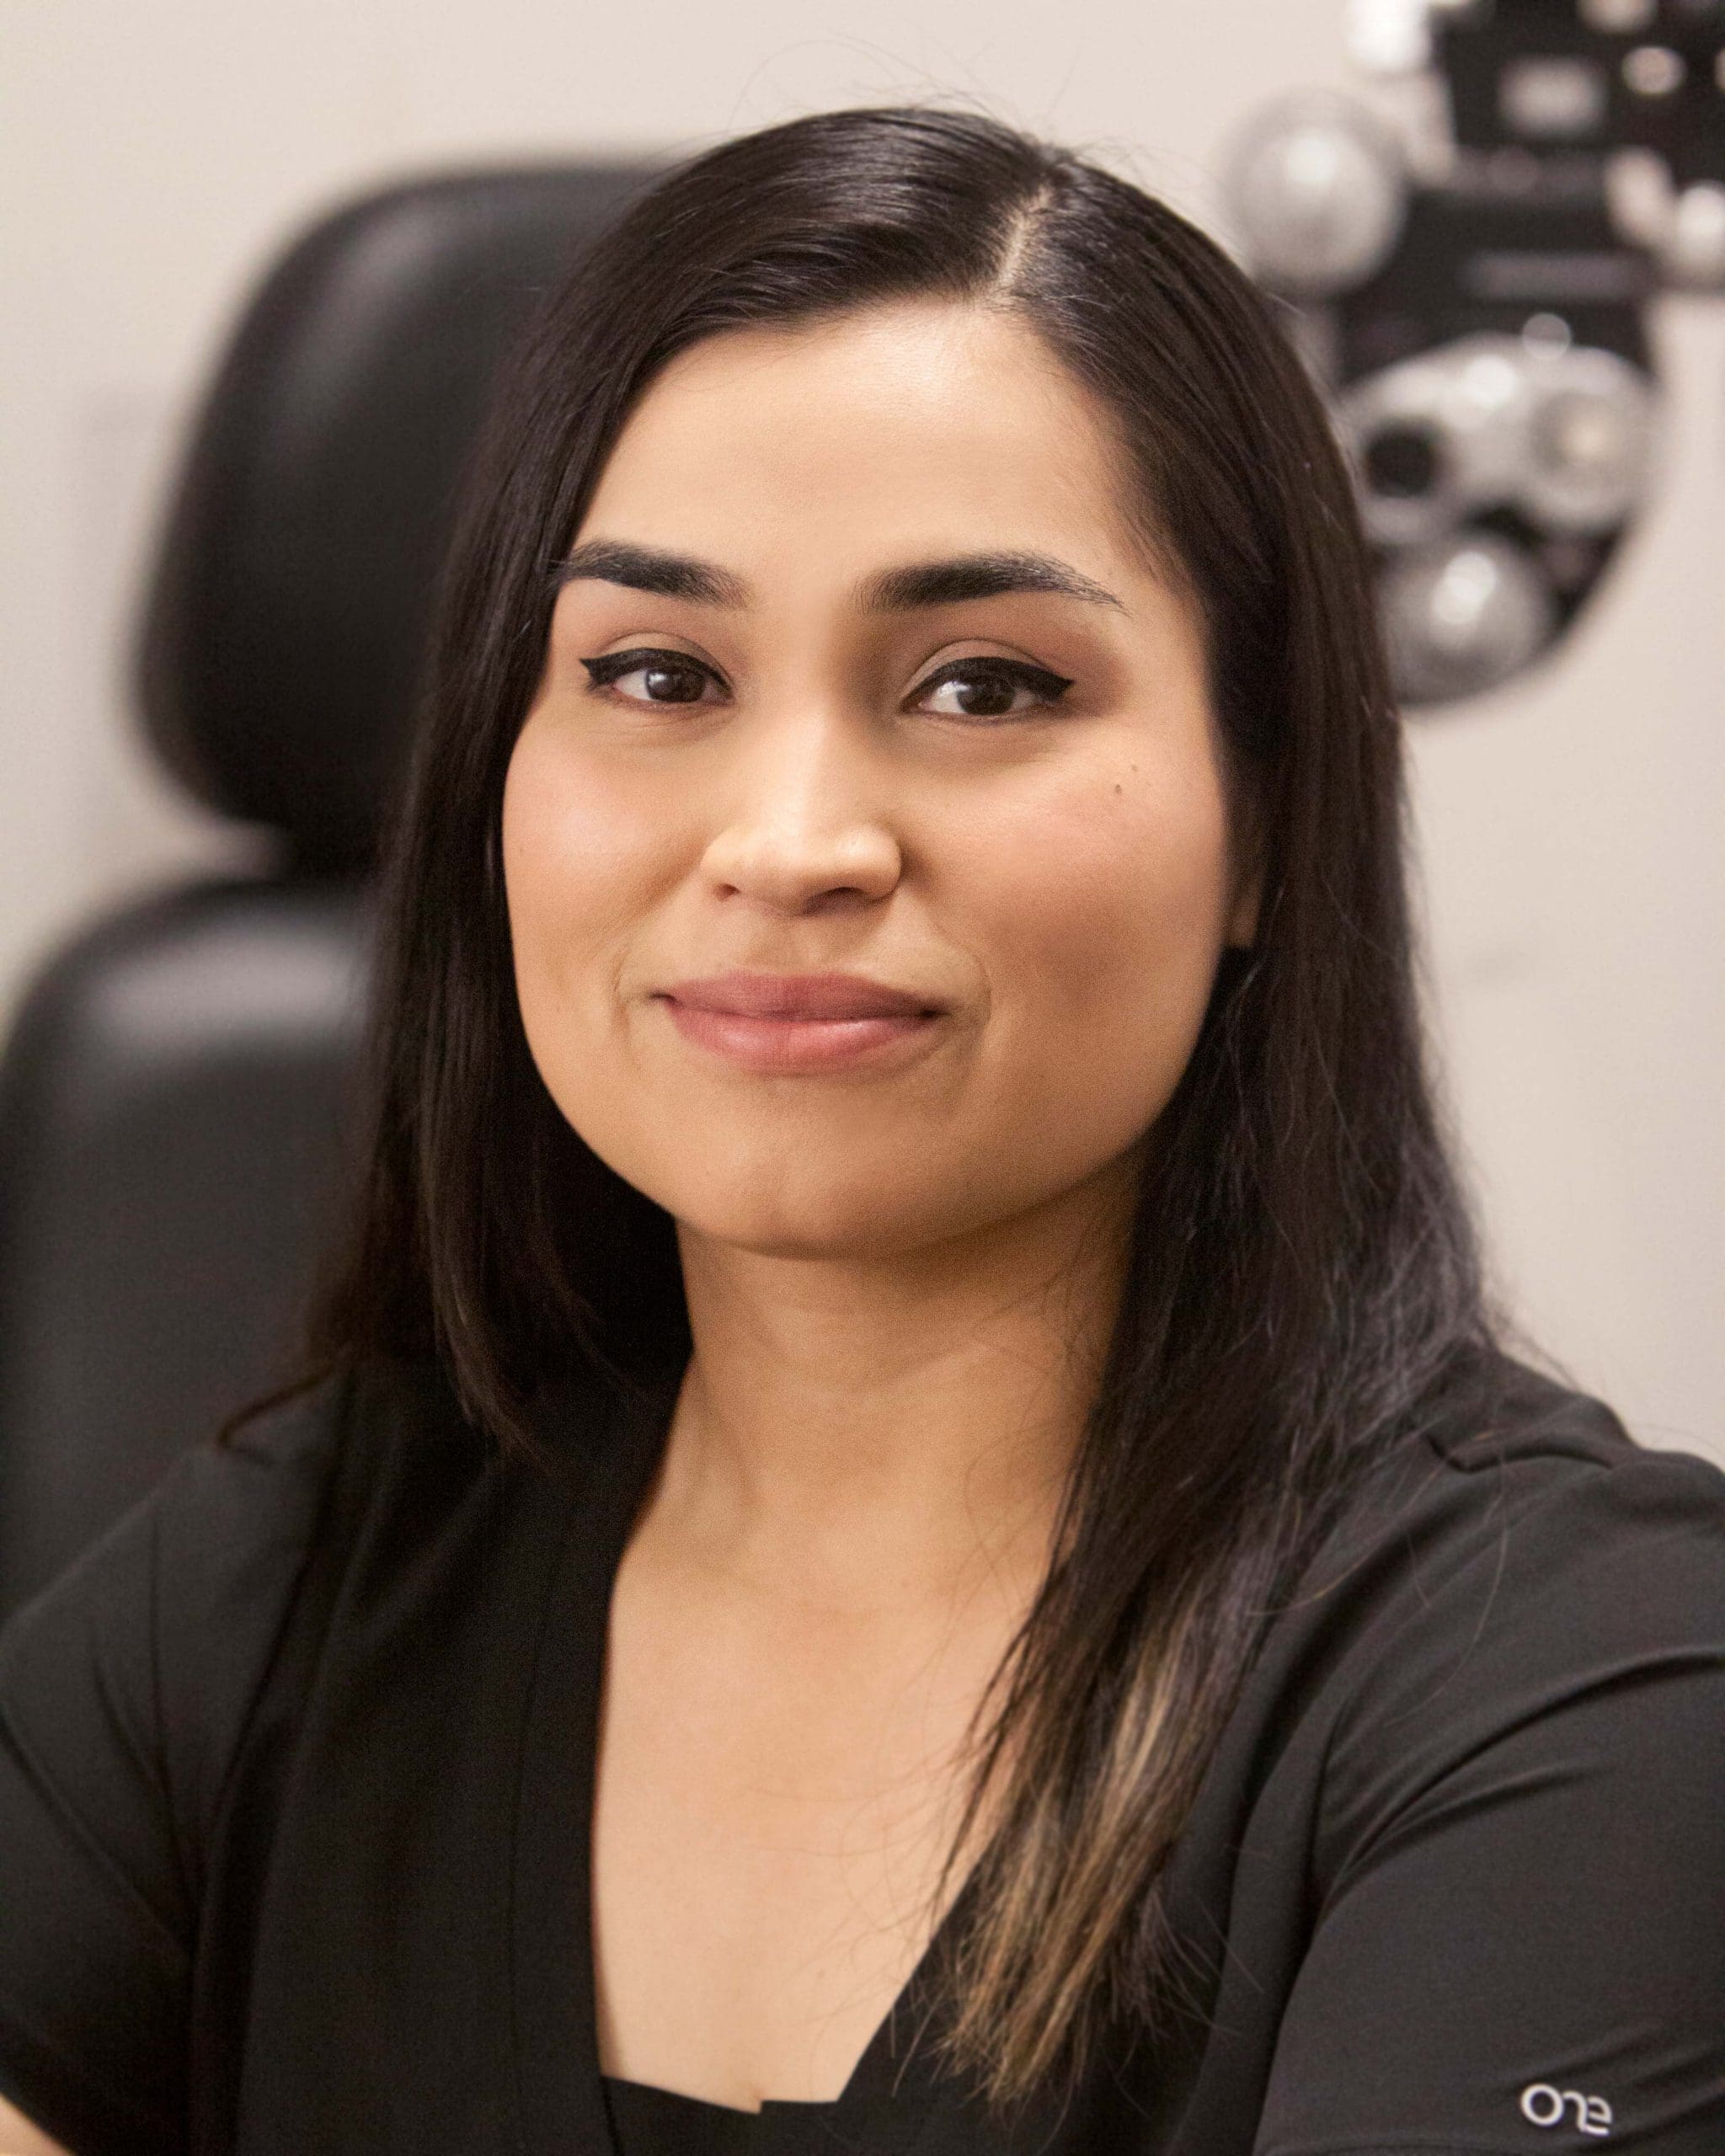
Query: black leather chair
x=175, y=1096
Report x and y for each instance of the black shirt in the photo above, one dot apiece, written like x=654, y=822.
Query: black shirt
x=297, y=1777
x=648, y=2121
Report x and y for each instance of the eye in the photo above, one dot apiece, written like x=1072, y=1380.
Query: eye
x=672, y=677
x=985, y=687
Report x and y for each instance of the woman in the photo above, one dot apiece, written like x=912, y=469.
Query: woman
x=907, y=1527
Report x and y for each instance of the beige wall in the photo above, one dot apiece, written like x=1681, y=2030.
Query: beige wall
x=152, y=154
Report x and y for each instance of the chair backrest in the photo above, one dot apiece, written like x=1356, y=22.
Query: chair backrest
x=175, y=1097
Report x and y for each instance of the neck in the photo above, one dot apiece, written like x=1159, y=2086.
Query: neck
x=880, y=1435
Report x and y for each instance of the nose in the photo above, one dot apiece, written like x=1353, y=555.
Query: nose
x=801, y=815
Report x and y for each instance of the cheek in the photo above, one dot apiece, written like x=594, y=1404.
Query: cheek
x=572, y=857
x=1109, y=929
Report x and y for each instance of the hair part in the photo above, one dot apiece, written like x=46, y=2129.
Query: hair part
x=1301, y=1284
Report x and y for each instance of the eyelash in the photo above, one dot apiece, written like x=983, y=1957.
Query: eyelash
x=616, y=666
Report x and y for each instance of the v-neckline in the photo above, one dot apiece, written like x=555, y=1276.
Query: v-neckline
x=614, y=1447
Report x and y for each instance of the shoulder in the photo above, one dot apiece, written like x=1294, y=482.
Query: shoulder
x=153, y=1642
x=1576, y=1502
x=223, y=1634
x=1511, y=1578
x=1538, y=1485
x=223, y=1519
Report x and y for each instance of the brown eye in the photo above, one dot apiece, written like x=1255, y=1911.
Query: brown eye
x=668, y=677
x=985, y=688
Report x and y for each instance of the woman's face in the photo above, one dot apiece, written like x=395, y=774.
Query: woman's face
x=794, y=773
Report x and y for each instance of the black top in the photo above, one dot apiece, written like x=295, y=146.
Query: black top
x=295, y=1789
x=648, y=2121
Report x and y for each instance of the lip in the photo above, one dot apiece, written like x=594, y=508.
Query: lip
x=802, y=996
x=784, y=1047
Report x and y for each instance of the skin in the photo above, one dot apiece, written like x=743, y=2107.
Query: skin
x=900, y=1277
x=19, y=2138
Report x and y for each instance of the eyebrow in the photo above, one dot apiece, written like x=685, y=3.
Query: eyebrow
x=918, y=584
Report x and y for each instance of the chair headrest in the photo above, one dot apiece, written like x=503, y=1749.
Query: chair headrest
x=282, y=630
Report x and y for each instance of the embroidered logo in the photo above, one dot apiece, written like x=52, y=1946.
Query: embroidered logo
x=1541, y=2105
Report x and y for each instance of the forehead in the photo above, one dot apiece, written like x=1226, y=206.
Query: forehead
x=924, y=427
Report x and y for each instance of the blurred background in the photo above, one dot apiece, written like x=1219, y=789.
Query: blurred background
x=156, y=158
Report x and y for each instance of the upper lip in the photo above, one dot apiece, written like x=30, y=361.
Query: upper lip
x=799, y=996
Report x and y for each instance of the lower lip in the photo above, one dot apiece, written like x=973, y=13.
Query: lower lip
x=789, y=1045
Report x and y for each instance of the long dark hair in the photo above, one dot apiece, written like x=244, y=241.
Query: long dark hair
x=1302, y=1283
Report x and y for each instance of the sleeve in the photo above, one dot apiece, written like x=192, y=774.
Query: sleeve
x=1520, y=1942
x=123, y=1690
